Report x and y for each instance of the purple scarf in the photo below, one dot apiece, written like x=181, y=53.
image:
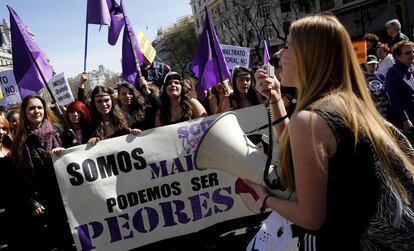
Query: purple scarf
x=44, y=138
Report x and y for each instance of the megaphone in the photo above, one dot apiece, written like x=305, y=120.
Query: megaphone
x=224, y=146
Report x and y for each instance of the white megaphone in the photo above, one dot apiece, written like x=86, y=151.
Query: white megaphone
x=224, y=146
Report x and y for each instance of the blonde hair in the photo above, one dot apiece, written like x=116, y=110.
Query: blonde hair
x=330, y=79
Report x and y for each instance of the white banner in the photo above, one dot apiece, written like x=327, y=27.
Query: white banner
x=129, y=191
x=236, y=56
x=60, y=86
x=9, y=89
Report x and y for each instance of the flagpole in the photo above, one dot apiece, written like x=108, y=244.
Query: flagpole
x=48, y=89
x=137, y=63
x=86, y=48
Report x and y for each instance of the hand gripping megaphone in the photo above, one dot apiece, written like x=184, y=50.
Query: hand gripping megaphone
x=224, y=146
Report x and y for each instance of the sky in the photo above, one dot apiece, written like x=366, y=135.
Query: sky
x=59, y=28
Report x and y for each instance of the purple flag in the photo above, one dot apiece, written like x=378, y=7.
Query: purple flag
x=24, y=52
x=117, y=21
x=266, y=56
x=98, y=12
x=208, y=63
x=129, y=64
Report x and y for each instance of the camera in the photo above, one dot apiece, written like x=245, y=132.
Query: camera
x=269, y=69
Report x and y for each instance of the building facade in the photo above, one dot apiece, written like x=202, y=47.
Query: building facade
x=6, y=61
x=247, y=22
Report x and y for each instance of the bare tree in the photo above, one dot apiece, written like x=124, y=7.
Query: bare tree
x=249, y=22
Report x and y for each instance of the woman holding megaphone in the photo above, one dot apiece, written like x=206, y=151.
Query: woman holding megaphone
x=351, y=170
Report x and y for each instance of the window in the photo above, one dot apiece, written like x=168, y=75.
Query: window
x=327, y=4
x=198, y=24
x=268, y=32
x=305, y=5
x=199, y=3
x=238, y=20
x=264, y=9
x=285, y=6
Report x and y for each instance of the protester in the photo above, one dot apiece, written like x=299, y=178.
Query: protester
x=376, y=84
x=399, y=84
x=81, y=89
x=137, y=111
x=131, y=103
x=36, y=138
x=244, y=93
x=79, y=120
x=176, y=104
x=5, y=148
x=393, y=28
x=372, y=43
x=13, y=118
x=189, y=88
x=5, y=138
x=14, y=221
x=218, y=102
x=348, y=169
x=108, y=120
x=155, y=72
x=385, y=57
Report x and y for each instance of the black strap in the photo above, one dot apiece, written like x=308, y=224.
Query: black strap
x=263, y=208
x=277, y=121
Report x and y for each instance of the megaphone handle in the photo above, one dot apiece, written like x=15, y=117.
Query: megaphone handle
x=241, y=187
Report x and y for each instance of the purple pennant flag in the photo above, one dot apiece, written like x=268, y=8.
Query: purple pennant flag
x=266, y=56
x=129, y=65
x=24, y=52
x=98, y=12
x=117, y=21
x=208, y=63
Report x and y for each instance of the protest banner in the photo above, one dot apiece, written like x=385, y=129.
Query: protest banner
x=360, y=48
x=236, y=56
x=9, y=89
x=146, y=48
x=146, y=189
x=60, y=86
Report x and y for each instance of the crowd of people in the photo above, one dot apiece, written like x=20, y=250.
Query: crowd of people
x=341, y=150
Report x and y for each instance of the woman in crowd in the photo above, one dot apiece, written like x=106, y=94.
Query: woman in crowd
x=176, y=104
x=78, y=118
x=13, y=195
x=400, y=87
x=134, y=105
x=5, y=138
x=108, y=121
x=218, y=102
x=348, y=167
x=35, y=140
x=244, y=93
x=13, y=118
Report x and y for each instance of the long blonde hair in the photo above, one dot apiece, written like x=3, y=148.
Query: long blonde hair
x=330, y=79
